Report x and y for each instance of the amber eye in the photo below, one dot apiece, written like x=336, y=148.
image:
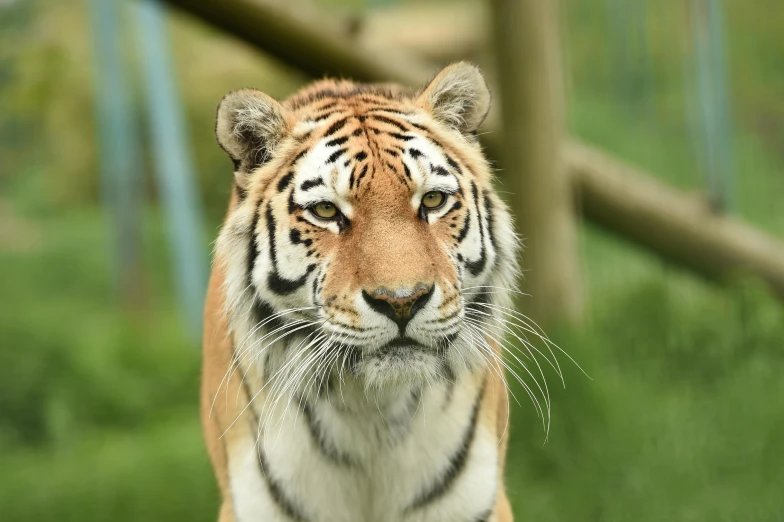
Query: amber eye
x=325, y=210
x=433, y=200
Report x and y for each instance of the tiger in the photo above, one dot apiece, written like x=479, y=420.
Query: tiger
x=348, y=375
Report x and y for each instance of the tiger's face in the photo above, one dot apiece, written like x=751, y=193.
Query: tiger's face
x=364, y=222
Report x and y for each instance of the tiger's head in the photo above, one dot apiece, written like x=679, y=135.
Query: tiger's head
x=362, y=228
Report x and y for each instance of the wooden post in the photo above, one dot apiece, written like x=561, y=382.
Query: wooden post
x=532, y=132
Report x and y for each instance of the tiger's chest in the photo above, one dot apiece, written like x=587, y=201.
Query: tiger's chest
x=424, y=456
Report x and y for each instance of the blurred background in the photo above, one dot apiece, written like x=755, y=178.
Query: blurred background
x=112, y=189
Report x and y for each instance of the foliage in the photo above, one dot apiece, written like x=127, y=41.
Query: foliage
x=72, y=360
x=681, y=420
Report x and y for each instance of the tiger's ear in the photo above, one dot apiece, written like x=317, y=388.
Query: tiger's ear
x=458, y=96
x=249, y=126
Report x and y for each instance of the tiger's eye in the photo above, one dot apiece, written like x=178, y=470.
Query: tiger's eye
x=325, y=210
x=433, y=199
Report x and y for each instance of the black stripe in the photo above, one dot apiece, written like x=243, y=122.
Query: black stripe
x=359, y=156
x=309, y=184
x=476, y=267
x=241, y=192
x=453, y=164
x=337, y=141
x=282, y=286
x=295, y=236
x=262, y=312
x=482, y=297
x=253, y=247
x=490, y=221
x=278, y=284
x=335, y=155
x=335, y=127
x=401, y=137
x=324, y=445
x=362, y=174
x=299, y=155
x=390, y=121
x=284, y=502
x=315, y=290
x=293, y=207
x=466, y=227
x=406, y=170
x=285, y=181
x=439, y=171
x=448, y=374
x=456, y=463
x=415, y=153
x=327, y=115
x=458, y=205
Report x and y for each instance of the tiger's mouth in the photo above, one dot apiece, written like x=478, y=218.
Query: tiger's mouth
x=401, y=345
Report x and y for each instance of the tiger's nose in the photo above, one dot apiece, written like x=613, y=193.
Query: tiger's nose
x=400, y=305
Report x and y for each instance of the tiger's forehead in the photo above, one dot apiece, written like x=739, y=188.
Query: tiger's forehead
x=355, y=153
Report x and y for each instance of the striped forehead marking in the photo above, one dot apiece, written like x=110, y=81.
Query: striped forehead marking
x=334, y=166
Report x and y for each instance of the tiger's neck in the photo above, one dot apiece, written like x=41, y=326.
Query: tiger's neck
x=403, y=453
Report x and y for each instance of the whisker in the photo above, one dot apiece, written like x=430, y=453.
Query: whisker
x=300, y=325
x=236, y=360
x=510, y=369
x=528, y=327
x=263, y=387
x=546, y=391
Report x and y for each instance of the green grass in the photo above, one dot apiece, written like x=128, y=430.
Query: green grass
x=98, y=405
x=680, y=422
x=158, y=472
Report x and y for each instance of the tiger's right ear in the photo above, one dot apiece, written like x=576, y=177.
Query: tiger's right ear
x=249, y=126
x=458, y=97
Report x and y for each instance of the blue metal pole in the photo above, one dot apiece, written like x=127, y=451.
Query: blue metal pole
x=173, y=167
x=724, y=128
x=714, y=141
x=119, y=145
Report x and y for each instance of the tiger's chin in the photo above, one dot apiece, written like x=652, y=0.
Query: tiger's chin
x=405, y=363
x=398, y=367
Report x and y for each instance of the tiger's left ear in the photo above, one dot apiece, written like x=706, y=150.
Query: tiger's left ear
x=458, y=97
x=249, y=127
